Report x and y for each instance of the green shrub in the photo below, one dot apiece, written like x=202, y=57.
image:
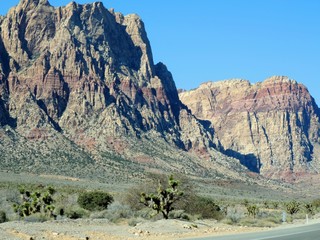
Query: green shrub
x=3, y=217
x=95, y=200
x=206, y=207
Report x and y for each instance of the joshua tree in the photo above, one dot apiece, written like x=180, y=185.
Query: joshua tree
x=253, y=210
x=163, y=200
x=292, y=207
x=35, y=202
x=310, y=209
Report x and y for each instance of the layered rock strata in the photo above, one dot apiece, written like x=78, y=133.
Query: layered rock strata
x=84, y=75
x=272, y=126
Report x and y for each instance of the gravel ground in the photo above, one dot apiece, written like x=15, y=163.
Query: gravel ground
x=103, y=229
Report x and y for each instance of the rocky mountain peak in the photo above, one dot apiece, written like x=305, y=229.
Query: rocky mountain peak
x=86, y=75
x=279, y=79
x=226, y=83
x=31, y=4
x=272, y=126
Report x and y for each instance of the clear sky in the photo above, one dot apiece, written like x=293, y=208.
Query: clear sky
x=211, y=40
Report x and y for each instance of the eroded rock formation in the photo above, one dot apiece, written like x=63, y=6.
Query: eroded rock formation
x=85, y=75
x=272, y=127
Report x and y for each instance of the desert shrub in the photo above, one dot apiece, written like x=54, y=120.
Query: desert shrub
x=133, y=196
x=76, y=213
x=266, y=204
x=245, y=202
x=274, y=219
x=117, y=211
x=316, y=203
x=275, y=205
x=37, y=217
x=95, y=200
x=3, y=217
x=146, y=213
x=162, y=201
x=235, y=214
x=179, y=214
x=203, y=206
x=59, y=211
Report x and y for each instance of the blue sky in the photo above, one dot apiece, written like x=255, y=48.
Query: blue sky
x=211, y=40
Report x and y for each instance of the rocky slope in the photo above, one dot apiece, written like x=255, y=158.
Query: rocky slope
x=79, y=92
x=272, y=127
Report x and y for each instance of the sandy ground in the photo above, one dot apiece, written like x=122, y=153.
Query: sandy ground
x=103, y=229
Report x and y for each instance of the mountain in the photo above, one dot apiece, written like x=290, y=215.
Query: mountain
x=81, y=95
x=272, y=127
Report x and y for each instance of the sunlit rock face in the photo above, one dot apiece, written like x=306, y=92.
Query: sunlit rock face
x=272, y=126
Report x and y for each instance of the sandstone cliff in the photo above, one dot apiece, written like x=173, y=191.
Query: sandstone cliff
x=272, y=127
x=81, y=78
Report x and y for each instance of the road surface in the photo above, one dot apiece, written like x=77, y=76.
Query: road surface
x=306, y=232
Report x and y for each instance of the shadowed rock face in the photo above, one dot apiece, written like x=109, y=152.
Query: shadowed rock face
x=87, y=74
x=273, y=126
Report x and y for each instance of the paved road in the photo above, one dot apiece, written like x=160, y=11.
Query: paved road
x=307, y=232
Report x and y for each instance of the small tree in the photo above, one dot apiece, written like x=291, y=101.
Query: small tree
x=292, y=207
x=35, y=202
x=253, y=210
x=95, y=200
x=163, y=200
x=310, y=209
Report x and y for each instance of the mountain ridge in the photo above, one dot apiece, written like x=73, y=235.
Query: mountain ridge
x=275, y=121
x=80, y=94
x=79, y=86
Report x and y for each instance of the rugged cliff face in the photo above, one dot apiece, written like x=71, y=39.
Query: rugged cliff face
x=83, y=77
x=272, y=127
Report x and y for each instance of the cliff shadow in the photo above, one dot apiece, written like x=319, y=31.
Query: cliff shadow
x=5, y=118
x=250, y=161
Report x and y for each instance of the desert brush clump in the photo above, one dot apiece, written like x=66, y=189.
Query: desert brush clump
x=203, y=207
x=95, y=200
x=163, y=200
x=3, y=217
x=32, y=202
